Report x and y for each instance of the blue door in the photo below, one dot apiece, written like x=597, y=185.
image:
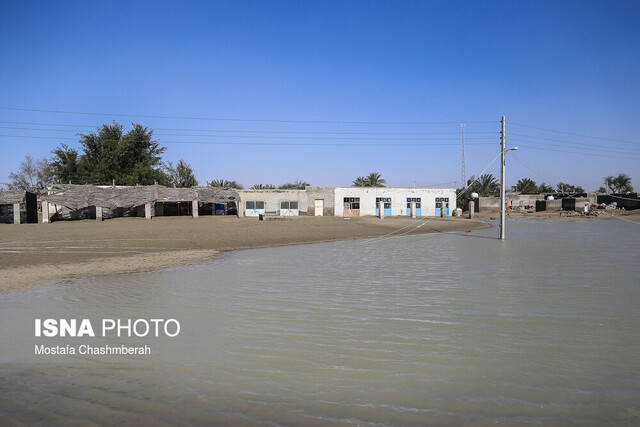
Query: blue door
x=387, y=205
x=418, y=201
x=442, y=201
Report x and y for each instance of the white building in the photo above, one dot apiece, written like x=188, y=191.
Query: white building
x=348, y=201
x=363, y=201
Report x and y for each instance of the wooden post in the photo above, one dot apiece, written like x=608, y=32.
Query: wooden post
x=443, y=209
x=472, y=209
x=194, y=208
x=16, y=213
x=381, y=209
x=99, y=213
x=413, y=209
x=147, y=210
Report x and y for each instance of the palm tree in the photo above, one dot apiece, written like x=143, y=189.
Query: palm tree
x=374, y=179
x=298, y=184
x=225, y=184
x=486, y=185
x=360, y=181
x=619, y=184
x=544, y=188
x=526, y=186
x=263, y=187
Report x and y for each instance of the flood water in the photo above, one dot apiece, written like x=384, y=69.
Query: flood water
x=442, y=329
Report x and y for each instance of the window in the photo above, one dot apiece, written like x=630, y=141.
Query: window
x=351, y=203
x=254, y=204
x=418, y=201
x=288, y=204
x=385, y=200
x=440, y=200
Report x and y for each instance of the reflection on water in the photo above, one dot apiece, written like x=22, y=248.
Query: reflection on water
x=437, y=329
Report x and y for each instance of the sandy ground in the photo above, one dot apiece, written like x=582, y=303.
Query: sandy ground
x=33, y=255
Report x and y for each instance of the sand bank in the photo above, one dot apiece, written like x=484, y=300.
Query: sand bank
x=33, y=255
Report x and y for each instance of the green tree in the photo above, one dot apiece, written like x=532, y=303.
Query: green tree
x=223, y=183
x=64, y=165
x=619, y=184
x=485, y=185
x=297, y=184
x=374, y=179
x=360, y=181
x=110, y=154
x=545, y=188
x=563, y=187
x=602, y=190
x=181, y=176
x=32, y=175
x=526, y=186
x=263, y=187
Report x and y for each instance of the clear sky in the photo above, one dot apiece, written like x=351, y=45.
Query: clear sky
x=325, y=91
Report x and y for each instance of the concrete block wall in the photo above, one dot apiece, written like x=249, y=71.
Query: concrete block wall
x=326, y=194
x=515, y=199
x=530, y=199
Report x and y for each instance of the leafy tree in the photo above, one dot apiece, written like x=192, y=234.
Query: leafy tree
x=225, y=184
x=33, y=175
x=619, y=184
x=181, y=176
x=64, y=164
x=563, y=187
x=298, y=184
x=111, y=154
x=602, y=190
x=263, y=187
x=374, y=179
x=544, y=188
x=526, y=186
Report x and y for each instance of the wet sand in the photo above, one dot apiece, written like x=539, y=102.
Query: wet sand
x=33, y=255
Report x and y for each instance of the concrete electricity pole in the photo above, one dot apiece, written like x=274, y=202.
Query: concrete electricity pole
x=503, y=155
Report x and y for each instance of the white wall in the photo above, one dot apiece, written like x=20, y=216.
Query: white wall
x=272, y=198
x=398, y=199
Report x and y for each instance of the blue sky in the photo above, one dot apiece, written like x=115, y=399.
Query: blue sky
x=328, y=91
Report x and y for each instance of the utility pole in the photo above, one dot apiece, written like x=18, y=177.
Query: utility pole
x=503, y=154
x=463, y=170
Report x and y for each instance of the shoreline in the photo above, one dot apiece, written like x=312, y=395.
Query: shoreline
x=37, y=255
x=494, y=214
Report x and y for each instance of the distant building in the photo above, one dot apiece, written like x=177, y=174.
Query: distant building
x=348, y=201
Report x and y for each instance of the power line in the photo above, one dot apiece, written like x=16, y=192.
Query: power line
x=605, y=150
x=578, y=152
x=565, y=141
x=570, y=133
x=148, y=116
x=269, y=143
x=271, y=136
x=235, y=130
